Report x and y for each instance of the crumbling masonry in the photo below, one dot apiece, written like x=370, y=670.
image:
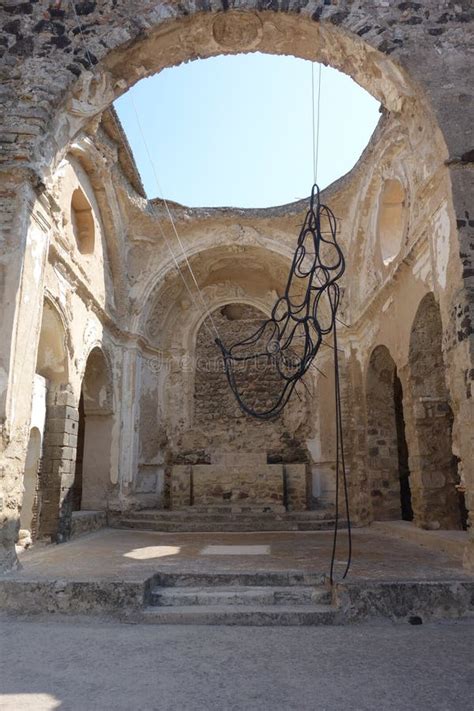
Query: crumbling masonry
x=102, y=404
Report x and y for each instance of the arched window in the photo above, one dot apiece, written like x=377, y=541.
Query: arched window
x=391, y=219
x=82, y=222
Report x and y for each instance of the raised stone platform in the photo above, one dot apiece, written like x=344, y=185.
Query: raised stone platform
x=232, y=518
x=249, y=579
x=87, y=521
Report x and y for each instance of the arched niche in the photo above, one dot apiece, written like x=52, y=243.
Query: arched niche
x=388, y=469
x=93, y=456
x=82, y=221
x=433, y=463
x=391, y=219
x=52, y=359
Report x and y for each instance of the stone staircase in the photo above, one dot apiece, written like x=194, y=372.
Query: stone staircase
x=223, y=519
x=240, y=599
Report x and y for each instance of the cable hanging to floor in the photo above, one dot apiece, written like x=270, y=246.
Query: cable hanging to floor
x=290, y=339
x=299, y=320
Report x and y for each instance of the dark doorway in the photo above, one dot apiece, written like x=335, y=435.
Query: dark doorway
x=402, y=447
x=77, y=487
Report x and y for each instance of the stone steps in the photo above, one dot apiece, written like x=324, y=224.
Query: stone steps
x=219, y=521
x=220, y=515
x=251, y=615
x=223, y=527
x=242, y=598
x=242, y=579
x=238, y=595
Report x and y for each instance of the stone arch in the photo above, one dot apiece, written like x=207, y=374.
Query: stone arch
x=387, y=450
x=94, y=437
x=53, y=366
x=168, y=38
x=432, y=461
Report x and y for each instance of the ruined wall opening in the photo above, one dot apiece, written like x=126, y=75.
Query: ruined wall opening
x=82, y=222
x=247, y=90
x=391, y=219
x=402, y=447
x=58, y=451
x=387, y=449
x=93, y=459
x=432, y=461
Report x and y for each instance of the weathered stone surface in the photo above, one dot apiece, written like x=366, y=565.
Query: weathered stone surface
x=91, y=300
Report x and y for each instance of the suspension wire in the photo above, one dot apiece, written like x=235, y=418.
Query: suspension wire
x=316, y=111
x=340, y=472
x=207, y=311
x=330, y=287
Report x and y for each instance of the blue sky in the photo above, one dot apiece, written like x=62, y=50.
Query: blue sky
x=237, y=130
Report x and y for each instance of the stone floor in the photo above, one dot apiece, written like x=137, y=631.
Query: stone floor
x=73, y=665
x=111, y=554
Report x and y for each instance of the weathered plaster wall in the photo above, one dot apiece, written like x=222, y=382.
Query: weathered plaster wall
x=127, y=299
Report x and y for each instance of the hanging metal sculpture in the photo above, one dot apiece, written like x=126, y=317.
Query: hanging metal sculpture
x=290, y=339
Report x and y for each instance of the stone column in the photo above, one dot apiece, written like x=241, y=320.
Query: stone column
x=130, y=420
x=58, y=465
x=355, y=437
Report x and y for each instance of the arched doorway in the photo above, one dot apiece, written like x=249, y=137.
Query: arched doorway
x=389, y=474
x=433, y=464
x=93, y=456
x=52, y=368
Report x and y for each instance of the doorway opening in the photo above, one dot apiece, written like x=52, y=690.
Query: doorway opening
x=93, y=456
x=389, y=472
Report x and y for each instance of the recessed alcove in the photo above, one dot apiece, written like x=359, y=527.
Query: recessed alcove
x=82, y=222
x=391, y=219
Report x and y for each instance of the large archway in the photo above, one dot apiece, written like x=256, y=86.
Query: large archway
x=52, y=366
x=387, y=448
x=175, y=36
x=93, y=457
x=362, y=41
x=432, y=460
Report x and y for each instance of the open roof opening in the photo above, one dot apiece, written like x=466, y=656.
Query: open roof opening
x=238, y=130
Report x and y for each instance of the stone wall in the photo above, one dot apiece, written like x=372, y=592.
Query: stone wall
x=432, y=460
x=216, y=410
x=240, y=481
x=382, y=442
x=57, y=82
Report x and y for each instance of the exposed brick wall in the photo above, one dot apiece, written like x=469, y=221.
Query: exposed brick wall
x=215, y=407
x=382, y=437
x=433, y=465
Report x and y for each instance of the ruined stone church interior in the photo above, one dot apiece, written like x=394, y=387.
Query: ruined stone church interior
x=117, y=415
